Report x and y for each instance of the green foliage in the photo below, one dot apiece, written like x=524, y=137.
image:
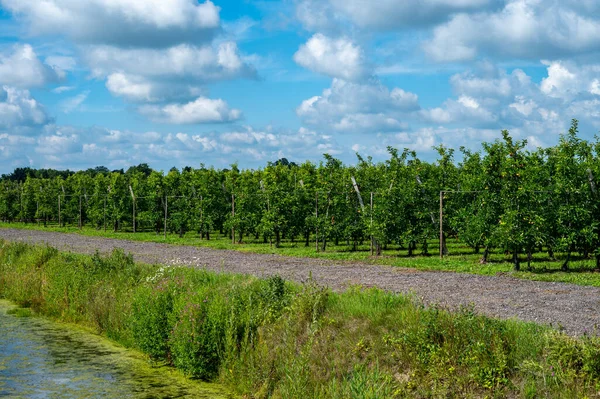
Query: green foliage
x=268, y=338
x=151, y=322
x=505, y=198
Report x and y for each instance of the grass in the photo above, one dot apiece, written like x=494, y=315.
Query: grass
x=267, y=338
x=462, y=259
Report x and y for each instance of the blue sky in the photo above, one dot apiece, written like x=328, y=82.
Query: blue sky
x=185, y=82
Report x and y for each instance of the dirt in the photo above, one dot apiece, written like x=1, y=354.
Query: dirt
x=576, y=309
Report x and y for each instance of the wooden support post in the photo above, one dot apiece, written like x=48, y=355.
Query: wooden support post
x=233, y=216
x=21, y=200
x=104, y=213
x=201, y=218
x=317, y=221
x=166, y=210
x=80, y=215
x=132, y=207
x=371, y=223
x=441, y=225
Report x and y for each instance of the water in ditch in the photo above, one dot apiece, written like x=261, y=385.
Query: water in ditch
x=43, y=359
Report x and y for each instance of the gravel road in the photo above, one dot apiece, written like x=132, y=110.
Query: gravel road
x=575, y=308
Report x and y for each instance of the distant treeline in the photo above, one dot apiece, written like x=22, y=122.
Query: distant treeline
x=504, y=196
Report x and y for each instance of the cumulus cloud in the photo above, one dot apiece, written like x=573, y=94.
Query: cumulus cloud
x=22, y=68
x=78, y=148
x=529, y=29
x=151, y=75
x=205, y=63
x=148, y=51
x=150, y=23
x=349, y=107
x=384, y=14
x=485, y=99
x=140, y=89
x=568, y=80
x=339, y=58
x=491, y=98
x=201, y=110
x=18, y=108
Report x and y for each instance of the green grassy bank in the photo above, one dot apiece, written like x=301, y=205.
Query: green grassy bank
x=269, y=338
x=461, y=259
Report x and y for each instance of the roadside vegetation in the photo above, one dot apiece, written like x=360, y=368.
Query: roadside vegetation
x=268, y=338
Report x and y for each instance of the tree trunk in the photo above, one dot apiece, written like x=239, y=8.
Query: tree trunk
x=207, y=235
x=410, y=249
x=476, y=249
x=486, y=255
x=529, y=258
x=516, y=261
x=551, y=253
x=306, y=239
x=565, y=265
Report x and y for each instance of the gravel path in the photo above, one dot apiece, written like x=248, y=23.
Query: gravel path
x=573, y=307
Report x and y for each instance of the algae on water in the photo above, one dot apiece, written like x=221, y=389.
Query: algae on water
x=40, y=358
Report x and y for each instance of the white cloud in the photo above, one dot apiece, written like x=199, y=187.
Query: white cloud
x=468, y=102
x=61, y=62
x=18, y=108
x=71, y=104
x=392, y=14
x=204, y=63
x=149, y=51
x=62, y=89
x=523, y=105
x=382, y=15
x=74, y=148
x=139, y=89
x=339, y=58
x=23, y=69
x=176, y=73
x=530, y=29
x=150, y=23
x=58, y=144
x=369, y=107
x=567, y=80
x=202, y=110
x=490, y=98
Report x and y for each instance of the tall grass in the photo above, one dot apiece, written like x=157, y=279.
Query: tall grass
x=266, y=338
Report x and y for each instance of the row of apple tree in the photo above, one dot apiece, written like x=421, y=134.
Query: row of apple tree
x=506, y=196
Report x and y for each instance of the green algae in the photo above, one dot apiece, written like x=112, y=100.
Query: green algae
x=45, y=359
x=20, y=312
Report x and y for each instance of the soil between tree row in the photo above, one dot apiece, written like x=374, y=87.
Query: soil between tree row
x=572, y=307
